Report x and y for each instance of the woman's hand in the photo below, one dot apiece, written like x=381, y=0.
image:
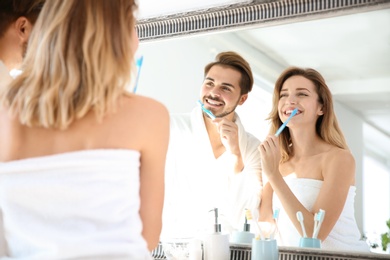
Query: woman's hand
x=270, y=156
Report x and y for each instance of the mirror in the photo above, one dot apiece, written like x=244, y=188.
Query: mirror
x=347, y=41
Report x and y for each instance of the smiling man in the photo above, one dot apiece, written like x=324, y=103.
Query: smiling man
x=212, y=163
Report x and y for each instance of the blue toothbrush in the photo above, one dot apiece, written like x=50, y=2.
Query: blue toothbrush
x=139, y=65
x=208, y=112
x=286, y=122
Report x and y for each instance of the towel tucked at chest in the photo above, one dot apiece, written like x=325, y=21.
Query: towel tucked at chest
x=345, y=234
x=75, y=205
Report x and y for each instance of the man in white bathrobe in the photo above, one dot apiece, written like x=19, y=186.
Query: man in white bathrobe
x=212, y=163
x=17, y=18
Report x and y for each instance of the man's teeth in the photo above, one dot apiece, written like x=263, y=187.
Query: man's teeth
x=213, y=102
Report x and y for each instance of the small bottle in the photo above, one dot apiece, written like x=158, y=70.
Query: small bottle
x=244, y=236
x=216, y=245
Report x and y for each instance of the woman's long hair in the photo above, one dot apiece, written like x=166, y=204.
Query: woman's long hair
x=327, y=127
x=79, y=59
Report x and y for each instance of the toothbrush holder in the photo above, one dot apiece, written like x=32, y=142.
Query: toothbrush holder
x=242, y=237
x=310, y=242
x=264, y=249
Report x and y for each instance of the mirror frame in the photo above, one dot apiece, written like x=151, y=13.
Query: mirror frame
x=256, y=14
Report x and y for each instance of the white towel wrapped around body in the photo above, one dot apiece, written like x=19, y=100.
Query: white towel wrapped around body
x=345, y=235
x=76, y=205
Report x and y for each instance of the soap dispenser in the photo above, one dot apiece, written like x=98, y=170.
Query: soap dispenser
x=216, y=244
x=244, y=236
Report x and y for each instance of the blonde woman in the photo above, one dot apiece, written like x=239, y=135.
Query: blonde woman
x=81, y=159
x=309, y=166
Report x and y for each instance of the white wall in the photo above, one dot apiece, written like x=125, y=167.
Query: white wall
x=352, y=127
x=172, y=72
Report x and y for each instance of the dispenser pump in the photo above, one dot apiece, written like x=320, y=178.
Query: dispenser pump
x=217, y=226
x=244, y=236
x=247, y=226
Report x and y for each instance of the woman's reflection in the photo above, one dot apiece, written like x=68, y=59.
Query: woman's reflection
x=309, y=166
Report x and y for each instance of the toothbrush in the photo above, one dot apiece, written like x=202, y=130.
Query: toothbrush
x=248, y=215
x=208, y=112
x=256, y=217
x=293, y=113
x=315, y=222
x=300, y=219
x=276, y=217
x=318, y=221
x=138, y=65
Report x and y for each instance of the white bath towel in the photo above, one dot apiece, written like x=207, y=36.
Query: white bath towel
x=345, y=235
x=77, y=205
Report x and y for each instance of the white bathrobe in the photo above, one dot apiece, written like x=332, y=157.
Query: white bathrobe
x=196, y=182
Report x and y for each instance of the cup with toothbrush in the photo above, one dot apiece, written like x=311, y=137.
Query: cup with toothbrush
x=262, y=247
x=311, y=242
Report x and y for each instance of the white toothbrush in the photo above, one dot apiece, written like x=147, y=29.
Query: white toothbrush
x=318, y=221
x=276, y=217
x=250, y=216
x=300, y=219
x=315, y=222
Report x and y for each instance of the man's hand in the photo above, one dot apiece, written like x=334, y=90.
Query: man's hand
x=228, y=132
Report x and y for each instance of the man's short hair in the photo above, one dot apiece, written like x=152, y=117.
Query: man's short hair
x=235, y=61
x=11, y=10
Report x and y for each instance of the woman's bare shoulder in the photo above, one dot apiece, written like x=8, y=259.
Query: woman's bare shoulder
x=339, y=164
x=130, y=98
x=339, y=154
x=137, y=120
x=143, y=106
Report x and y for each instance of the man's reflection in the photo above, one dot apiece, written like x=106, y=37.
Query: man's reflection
x=212, y=163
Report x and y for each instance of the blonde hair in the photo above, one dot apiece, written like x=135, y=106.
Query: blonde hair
x=79, y=59
x=327, y=127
